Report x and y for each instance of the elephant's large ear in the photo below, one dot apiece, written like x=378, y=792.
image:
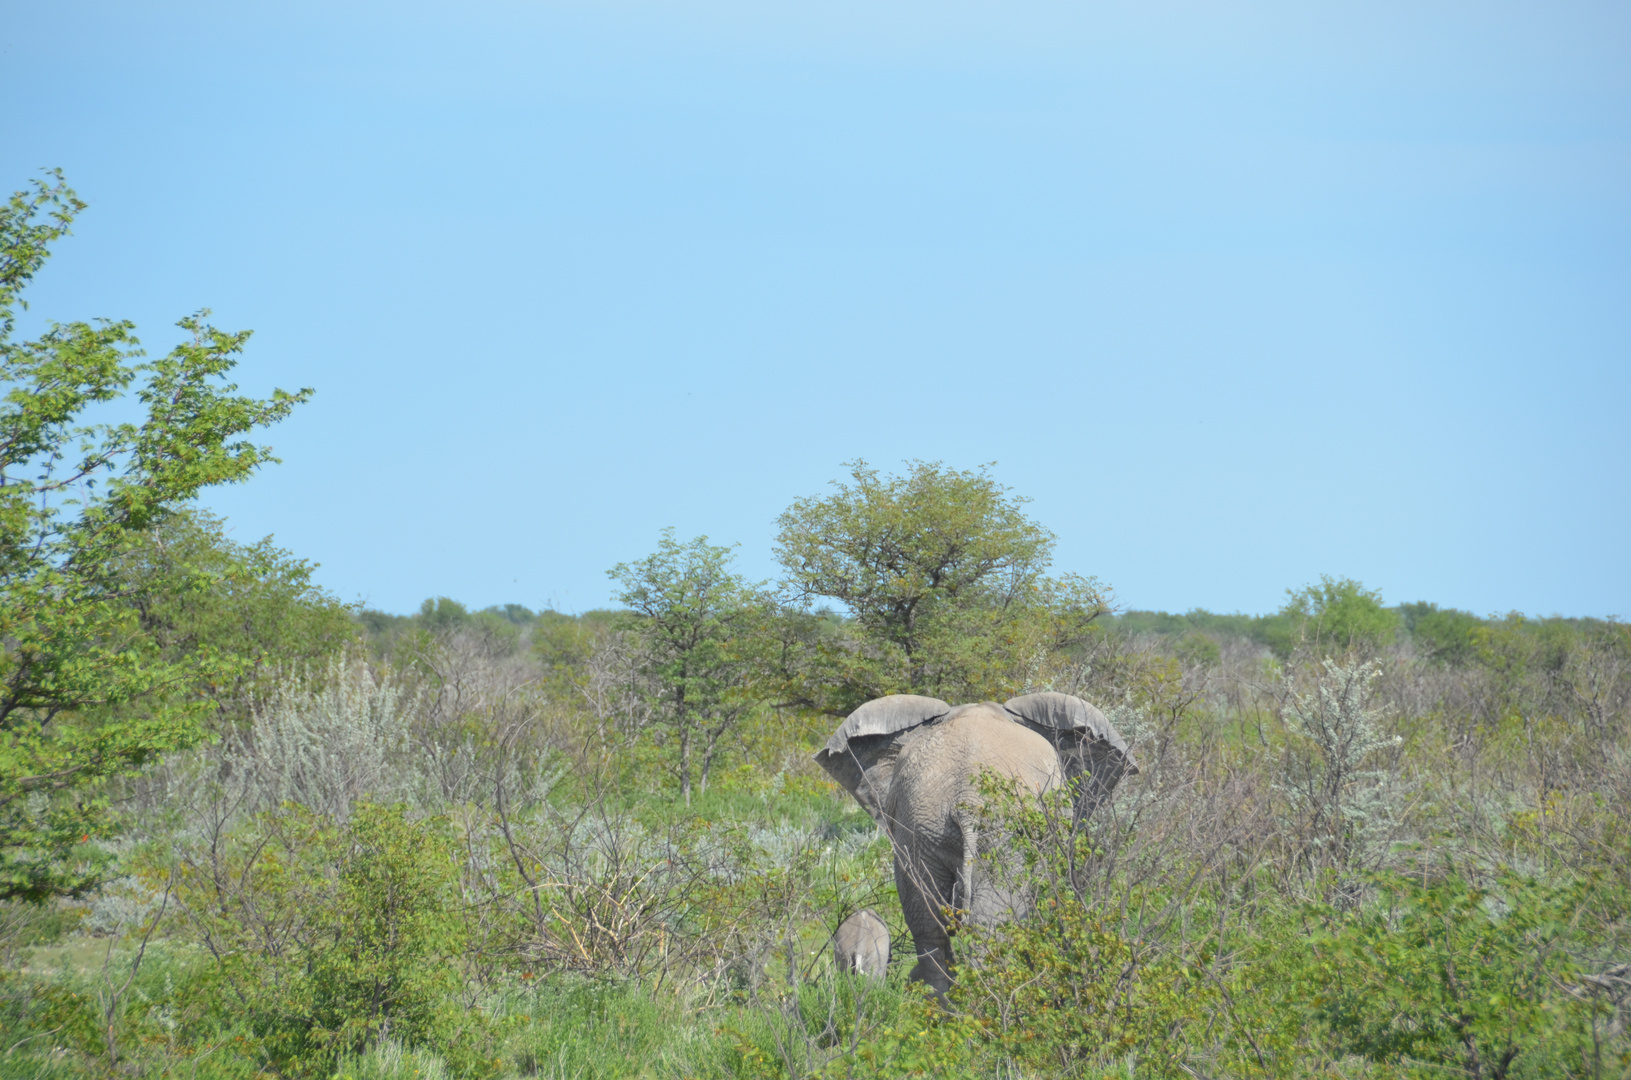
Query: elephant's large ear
x=861, y=753
x=1086, y=741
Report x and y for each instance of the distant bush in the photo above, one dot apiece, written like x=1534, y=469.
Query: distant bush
x=1445, y=635
x=1343, y=801
x=323, y=741
x=1337, y=615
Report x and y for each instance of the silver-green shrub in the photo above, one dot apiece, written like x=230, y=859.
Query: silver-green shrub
x=324, y=742
x=1344, y=798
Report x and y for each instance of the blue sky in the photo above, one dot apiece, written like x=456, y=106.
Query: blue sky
x=1236, y=294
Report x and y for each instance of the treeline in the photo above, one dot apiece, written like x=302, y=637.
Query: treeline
x=1343, y=610
x=1348, y=612
x=707, y=651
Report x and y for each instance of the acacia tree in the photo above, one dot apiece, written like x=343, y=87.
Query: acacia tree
x=945, y=577
x=1337, y=615
x=703, y=631
x=86, y=692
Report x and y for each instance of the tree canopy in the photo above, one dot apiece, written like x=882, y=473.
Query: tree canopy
x=1340, y=614
x=945, y=577
x=701, y=627
x=79, y=503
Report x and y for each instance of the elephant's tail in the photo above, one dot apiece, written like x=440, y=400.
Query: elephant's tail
x=965, y=816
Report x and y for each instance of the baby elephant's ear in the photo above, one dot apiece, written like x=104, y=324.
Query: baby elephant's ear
x=861, y=753
x=1085, y=740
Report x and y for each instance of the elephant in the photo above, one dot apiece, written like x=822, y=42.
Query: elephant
x=861, y=944
x=912, y=761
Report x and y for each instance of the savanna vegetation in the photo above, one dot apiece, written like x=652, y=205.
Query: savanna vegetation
x=247, y=830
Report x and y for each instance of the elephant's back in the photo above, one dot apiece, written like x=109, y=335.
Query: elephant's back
x=1008, y=749
x=936, y=769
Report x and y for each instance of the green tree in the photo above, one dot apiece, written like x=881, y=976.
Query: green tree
x=1444, y=635
x=78, y=501
x=703, y=631
x=945, y=577
x=442, y=615
x=1337, y=615
x=197, y=590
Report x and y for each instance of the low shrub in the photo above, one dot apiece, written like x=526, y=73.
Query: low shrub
x=329, y=940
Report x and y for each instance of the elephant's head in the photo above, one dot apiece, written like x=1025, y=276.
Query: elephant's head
x=861, y=754
x=1092, y=752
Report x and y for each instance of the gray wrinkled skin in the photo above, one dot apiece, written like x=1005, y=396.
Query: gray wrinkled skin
x=918, y=781
x=861, y=754
x=932, y=810
x=861, y=944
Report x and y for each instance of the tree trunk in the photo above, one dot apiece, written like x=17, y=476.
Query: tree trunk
x=711, y=750
x=685, y=762
x=707, y=762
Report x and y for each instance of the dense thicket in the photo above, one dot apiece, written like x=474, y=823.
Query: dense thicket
x=459, y=846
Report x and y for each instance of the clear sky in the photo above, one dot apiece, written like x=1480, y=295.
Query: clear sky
x=1238, y=294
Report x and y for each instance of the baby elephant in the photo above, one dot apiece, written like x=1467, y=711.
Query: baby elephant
x=862, y=944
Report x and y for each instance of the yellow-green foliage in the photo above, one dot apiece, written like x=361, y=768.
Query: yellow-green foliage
x=94, y=689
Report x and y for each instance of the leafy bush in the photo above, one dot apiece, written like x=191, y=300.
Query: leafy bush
x=1067, y=991
x=332, y=939
x=1448, y=978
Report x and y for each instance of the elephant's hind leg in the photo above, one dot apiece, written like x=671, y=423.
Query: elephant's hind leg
x=926, y=891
